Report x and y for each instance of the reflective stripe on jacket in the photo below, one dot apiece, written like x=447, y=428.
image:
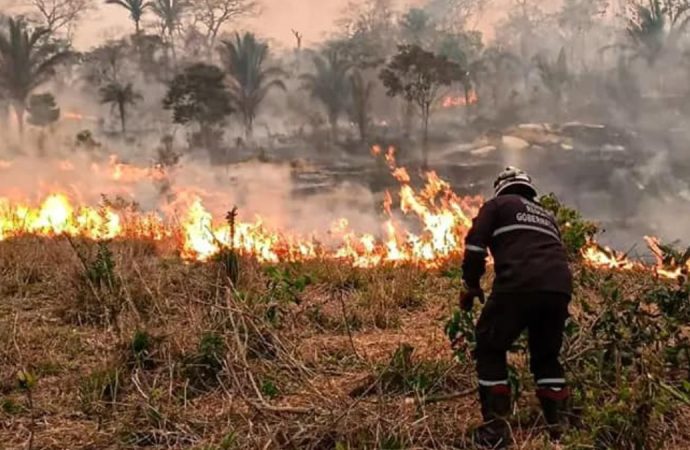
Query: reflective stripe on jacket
x=525, y=243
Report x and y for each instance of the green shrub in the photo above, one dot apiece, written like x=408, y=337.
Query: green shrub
x=101, y=270
x=203, y=367
x=141, y=350
x=576, y=232
x=269, y=389
x=11, y=407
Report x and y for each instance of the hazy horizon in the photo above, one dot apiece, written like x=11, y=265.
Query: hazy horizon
x=313, y=18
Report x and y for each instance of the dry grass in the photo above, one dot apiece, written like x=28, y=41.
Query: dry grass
x=164, y=354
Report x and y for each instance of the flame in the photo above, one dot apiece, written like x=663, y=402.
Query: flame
x=665, y=268
x=73, y=115
x=607, y=258
x=602, y=257
x=56, y=215
x=455, y=101
x=442, y=219
x=422, y=226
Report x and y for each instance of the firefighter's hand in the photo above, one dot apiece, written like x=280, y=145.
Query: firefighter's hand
x=467, y=297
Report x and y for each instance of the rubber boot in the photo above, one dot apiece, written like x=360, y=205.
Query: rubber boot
x=495, y=405
x=554, y=404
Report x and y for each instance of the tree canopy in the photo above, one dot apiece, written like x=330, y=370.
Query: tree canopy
x=199, y=95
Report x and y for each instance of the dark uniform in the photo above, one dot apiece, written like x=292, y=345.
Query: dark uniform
x=532, y=290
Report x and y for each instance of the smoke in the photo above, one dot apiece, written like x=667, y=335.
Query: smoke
x=262, y=192
x=643, y=192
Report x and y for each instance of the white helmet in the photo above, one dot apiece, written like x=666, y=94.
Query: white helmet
x=512, y=176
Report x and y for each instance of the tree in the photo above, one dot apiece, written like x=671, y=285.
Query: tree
x=136, y=9
x=214, y=14
x=368, y=33
x=330, y=86
x=577, y=21
x=500, y=70
x=27, y=60
x=244, y=60
x=170, y=13
x=43, y=112
x=454, y=14
x=554, y=75
x=120, y=96
x=417, y=26
x=464, y=49
x=199, y=96
x=105, y=63
x=362, y=90
x=61, y=16
x=418, y=76
x=655, y=27
x=522, y=33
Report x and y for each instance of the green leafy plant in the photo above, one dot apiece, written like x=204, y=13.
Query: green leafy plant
x=269, y=389
x=101, y=269
x=142, y=350
x=203, y=367
x=576, y=232
x=10, y=407
x=460, y=332
x=283, y=287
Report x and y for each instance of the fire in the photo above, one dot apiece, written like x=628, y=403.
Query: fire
x=606, y=258
x=455, y=101
x=422, y=226
x=427, y=227
x=665, y=267
x=56, y=215
x=71, y=115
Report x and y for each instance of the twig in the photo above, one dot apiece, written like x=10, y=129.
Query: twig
x=347, y=324
x=85, y=266
x=440, y=398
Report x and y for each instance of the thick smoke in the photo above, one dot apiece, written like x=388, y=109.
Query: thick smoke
x=543, y=65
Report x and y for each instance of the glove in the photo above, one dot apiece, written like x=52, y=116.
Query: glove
x=468, y=295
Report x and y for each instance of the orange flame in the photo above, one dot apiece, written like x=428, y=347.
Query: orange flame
x=456, y=101
x=440, y=219
x=443, y=219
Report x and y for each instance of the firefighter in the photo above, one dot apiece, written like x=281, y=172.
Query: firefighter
x=531, y=290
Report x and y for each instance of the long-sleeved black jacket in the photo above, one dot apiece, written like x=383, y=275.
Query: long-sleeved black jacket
x=526, y=246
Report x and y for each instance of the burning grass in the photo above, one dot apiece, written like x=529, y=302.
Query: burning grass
x=121, y=330
x=125, y=345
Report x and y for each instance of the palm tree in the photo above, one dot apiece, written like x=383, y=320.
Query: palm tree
x=362, y=90
x=26, y=62
x=244, y=60
x=647, y=31
x=136, y=9
x=120, y=96
x=170, y=12
x=330, y=86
